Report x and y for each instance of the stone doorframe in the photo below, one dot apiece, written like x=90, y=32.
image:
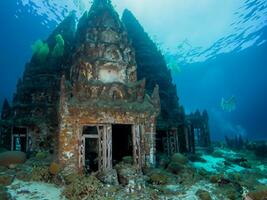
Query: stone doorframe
x=104, y=137
x=13, y=135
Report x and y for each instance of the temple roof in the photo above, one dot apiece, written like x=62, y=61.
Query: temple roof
x=101, y=2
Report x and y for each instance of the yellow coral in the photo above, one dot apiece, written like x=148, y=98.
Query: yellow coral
x=54, y=168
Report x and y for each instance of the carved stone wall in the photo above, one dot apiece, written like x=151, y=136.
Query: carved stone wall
x=103, y=90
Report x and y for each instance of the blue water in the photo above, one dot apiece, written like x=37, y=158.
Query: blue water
x=201, y=84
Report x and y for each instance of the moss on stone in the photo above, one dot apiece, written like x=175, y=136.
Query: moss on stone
x=179, y=158
x=83, y=187
x=258, y=194
x=58, y=50
x=41, y=173
x=159, y=177
x=40, y=50
x=41, y=155
x=203, y=195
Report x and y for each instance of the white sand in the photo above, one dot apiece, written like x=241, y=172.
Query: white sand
x=215, y=164
x=190, y=193
x=263, y=181
x=212, y=164
x=228, y=153
x=262, y=167
x=21, y=190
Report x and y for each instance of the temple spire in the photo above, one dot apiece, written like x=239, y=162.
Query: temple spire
x=102, y=2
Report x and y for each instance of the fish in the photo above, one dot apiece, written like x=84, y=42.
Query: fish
x=228, y=105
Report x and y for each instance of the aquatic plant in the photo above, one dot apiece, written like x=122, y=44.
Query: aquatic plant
x=203, y=195
x=214, y=179
x=128, y=160
x=177, y=164
x=83, y=187
x=58, y=50
x=159, y=177
x=41, y=155
x=41, y=173
x=179, y=158
x=54, y=168
x=164, y=161
x=260, y=194
x=40, y=50
x=175, y=167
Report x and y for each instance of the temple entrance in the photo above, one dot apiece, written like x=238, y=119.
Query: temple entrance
x=161, y=142
x=90, y=140
x=19, y=139
x=197, y=136
x=122, y=144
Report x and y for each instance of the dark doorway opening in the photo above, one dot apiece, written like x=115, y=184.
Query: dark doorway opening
x=161, y=145
x=161, y=141
x=182, y=140
x=90, y=135
x=20, y=139
x=122, y=144
x=197, y=136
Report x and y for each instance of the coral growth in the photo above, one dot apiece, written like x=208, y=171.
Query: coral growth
x=83, y=187
x=54, y=168
x=177, y=164
x=260, y=194
x=59, y=47
x=159, y=177
x=40, y=50
x=41, y=155
x=203, y=195
x=41, y=173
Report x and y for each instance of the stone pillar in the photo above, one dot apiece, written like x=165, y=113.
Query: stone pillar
x=150, y=148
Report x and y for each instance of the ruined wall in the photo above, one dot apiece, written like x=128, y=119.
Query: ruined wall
x=152, y=66
x=101, y=35
x=102, y=88
x=199, y=123
x=79, y=106
x=36, y=98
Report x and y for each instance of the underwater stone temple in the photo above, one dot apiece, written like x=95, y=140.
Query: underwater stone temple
x=96, y=92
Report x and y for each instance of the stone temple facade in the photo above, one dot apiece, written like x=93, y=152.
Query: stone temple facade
x=90, y=105
x=103, y=98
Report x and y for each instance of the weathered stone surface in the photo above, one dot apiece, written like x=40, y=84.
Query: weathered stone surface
x=203, y=195
x=109, y=177
x=257, y=195
x=102, y=88
x=104, y=75
x=126, y=173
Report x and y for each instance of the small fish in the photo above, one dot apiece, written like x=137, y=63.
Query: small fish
x=175, y=68
x=228, y=105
